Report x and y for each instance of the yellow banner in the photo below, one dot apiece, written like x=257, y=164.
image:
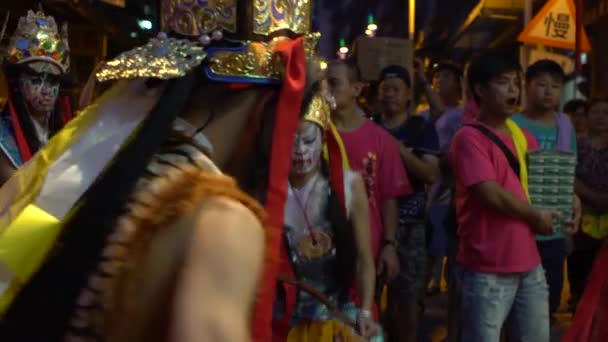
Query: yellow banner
x=24, y=186
x=34, y=232
x=28, y=230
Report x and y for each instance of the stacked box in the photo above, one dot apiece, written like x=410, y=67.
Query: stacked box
x=551, y=177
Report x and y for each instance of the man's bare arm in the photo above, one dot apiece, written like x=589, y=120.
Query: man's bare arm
x=220, y=277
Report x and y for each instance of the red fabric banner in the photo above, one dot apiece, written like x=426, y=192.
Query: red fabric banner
x=286, y=122
x=590, y=322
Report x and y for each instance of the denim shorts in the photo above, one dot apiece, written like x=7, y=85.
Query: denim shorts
x=490, y=300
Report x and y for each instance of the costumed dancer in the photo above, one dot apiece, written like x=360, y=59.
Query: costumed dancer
x=133, y=233
x=326, y=240
x=36, y=64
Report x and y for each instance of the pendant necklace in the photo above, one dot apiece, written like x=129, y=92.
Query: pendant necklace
x=314, y=244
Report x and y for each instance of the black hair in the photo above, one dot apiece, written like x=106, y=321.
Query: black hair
x=595, y=101
x=308, y=96
x=13, y=72
x=572, y=106
x=488, y=66
x=344, y=237
x=354, y=73
x=396, y=71
x=545, y=66
x=451, y=67
x=41, y=310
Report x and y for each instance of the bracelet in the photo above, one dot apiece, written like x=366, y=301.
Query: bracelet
x=365, y=313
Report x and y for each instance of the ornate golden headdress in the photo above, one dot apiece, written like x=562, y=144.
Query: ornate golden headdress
x=318, y=111
x=259, y=17
x=250, y=30
x=37, y=39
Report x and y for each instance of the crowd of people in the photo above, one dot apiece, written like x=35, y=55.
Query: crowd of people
x=458, y=188
x=317, y=222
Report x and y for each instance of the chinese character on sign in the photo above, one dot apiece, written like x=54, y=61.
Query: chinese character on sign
x=557, y=27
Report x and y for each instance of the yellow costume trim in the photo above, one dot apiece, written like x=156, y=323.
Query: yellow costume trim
x=322, y=332
x=272, y=16
x=318, y=111
x=521, y=147
x=334, y=131
x=383, y=303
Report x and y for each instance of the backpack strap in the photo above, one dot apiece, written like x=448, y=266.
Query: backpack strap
x=513, y=162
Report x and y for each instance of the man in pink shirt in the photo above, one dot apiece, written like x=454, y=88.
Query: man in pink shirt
x=502, y=276
x=374, y=154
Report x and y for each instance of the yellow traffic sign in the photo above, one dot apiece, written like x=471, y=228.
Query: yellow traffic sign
x=555, y=26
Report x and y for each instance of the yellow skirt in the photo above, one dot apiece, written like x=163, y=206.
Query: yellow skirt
x=328, y=331
x=595, y=226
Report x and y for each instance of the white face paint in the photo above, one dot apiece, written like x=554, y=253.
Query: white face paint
x=307, y=147
x=40, y=91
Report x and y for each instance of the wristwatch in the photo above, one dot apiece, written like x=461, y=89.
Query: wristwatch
x=390, y=242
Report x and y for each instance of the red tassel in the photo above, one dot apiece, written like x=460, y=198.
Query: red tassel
x=280, y=328
x=239, y=86
x=24, y=148
x=336, y=169
x=65, y=108
x=286, y=122
x=591, y=304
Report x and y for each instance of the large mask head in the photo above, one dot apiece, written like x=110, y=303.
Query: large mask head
x=234, y=41
x=240, y=43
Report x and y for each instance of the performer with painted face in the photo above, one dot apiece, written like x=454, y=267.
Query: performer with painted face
x=127, y=225
x=326, y=240
x=37, y=60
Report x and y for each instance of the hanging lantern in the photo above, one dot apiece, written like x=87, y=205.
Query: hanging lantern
x=371, y=25
x=343, y=50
